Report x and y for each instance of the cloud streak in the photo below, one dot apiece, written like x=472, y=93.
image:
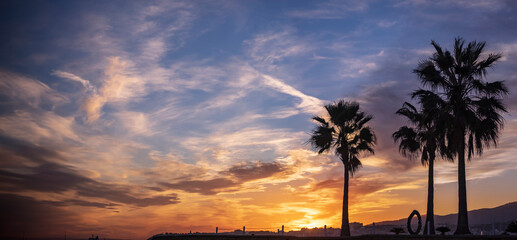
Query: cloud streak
x=20, y=89
x=52, y=177
x=69, y=76
x=308, y=104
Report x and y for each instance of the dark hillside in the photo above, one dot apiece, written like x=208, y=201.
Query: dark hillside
x=502, y=214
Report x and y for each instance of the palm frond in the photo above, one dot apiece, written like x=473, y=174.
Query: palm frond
x=428, y=74
x=410, y=112
x=409, y=144
x=497, y=88
x=482, y=66
x=322, y=138
x=322, y=121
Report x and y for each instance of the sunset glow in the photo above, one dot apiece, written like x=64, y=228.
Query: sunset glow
x=126, y=119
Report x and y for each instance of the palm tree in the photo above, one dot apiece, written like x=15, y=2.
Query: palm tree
x=422, y=139
x=471, y=113
x=345, y=132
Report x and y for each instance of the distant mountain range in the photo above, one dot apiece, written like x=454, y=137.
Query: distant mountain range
x=502, y=214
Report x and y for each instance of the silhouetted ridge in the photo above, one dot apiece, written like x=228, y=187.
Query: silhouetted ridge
x=500, y=214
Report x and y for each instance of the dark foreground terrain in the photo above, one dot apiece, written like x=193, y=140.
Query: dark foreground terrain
x=363, y=237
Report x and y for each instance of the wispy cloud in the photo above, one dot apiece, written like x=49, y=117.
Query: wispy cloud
x=273, y=46
x=137, y=123
x=355, y=67
x=69, y=76
x=44, y=176
x=29, y=91
x=308, y=104
x=119, y=85
x=509, y=50
x=386, y=24
x=39, y=127
x=490, y=5
x=330, y=10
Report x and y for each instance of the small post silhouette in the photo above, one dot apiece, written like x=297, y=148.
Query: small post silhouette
x=282, y=230
x=243, y=230
x=325, y=230
x=216, y=230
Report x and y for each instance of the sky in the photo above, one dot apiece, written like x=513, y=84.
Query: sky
x=126, y=119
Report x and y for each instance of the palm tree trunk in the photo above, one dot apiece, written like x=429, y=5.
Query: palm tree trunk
x=463, y=220
x=345, y=227
x=429, y=219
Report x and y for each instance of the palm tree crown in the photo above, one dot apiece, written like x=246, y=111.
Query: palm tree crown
x=469, y=117
x=424, y=139
x=421, y=139
x=472, y=104
x=344, y=131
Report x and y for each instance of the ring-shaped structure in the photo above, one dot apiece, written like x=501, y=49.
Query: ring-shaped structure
x=409, y=229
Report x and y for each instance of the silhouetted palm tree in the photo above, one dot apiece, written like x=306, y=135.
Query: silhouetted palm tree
x=422, y=139
x=471, y=113
x=345, y=132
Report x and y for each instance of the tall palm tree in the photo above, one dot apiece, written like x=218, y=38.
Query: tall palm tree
x=345, y=132
x=423, y=138
x=471, y=115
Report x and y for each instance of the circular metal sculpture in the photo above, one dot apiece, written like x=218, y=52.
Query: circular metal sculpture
x=410, y=231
